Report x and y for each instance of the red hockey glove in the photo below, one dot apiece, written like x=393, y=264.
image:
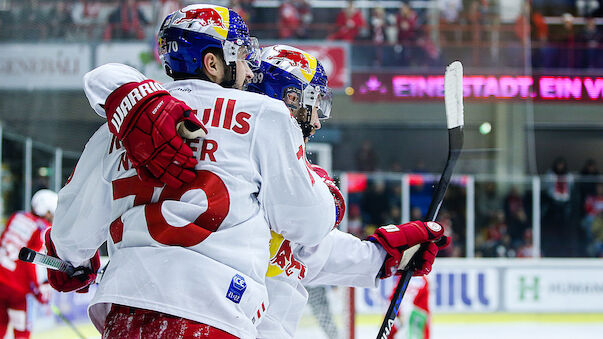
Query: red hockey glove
x=339, y=201
x=80, y=281
x=147, y=120
x=395, y=239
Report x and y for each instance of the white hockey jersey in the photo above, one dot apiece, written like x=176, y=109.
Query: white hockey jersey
x=199, y=252
x=340, y=259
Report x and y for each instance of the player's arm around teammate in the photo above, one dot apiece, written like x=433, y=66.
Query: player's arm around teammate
x=271, y=169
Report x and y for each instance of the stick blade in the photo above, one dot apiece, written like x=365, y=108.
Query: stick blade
x=453, y=94
x=26, y=254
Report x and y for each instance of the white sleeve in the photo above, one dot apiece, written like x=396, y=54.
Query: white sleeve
x=82, y=217
x=101, y=81
x=297, y=202
x=342, y=259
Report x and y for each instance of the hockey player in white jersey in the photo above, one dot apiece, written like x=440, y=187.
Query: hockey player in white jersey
x=340, y=259
x=298, y=78
x=191, y=259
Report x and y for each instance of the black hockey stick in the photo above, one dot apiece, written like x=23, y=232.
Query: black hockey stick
x=81, y=272
x=29, y=255
x=453, y=97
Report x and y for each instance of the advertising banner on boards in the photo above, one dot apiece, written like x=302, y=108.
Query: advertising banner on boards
x=549, y=290
x=43, y=66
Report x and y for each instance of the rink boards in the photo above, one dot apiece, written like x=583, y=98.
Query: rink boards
x=462, y=291
x=504, y=285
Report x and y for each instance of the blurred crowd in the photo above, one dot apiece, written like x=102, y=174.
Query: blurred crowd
x=571, y=208
x=398, y=34
x=559, y=33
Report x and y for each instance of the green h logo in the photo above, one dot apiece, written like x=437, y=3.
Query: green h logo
x=528, y=288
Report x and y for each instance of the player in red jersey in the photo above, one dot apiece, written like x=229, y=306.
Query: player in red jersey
x=18, y=279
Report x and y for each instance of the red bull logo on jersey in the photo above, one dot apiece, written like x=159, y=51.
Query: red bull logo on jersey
x=296, y=59
x=282, y=259
x=204, y=16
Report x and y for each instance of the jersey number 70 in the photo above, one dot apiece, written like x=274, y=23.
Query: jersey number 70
x=218, y=204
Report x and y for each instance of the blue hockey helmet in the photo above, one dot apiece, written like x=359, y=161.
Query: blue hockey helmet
x=186, y=34
x=294, y=76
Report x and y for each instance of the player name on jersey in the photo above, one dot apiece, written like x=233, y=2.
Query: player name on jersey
x=213, y=117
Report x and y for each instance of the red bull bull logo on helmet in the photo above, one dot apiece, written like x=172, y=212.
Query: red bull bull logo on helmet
x=204, y=16
x=296, y=59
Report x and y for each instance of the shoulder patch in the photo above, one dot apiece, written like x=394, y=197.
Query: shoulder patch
x=236, y=289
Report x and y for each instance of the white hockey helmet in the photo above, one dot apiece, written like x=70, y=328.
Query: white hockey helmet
x=44, y=201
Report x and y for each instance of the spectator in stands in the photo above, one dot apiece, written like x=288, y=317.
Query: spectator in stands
x=476, y=15
x=491, y=238
x=349, y=22
x=31, y=22
x=456, y=247
x=531, y=30
x=587, y=8
x=430, y=52
x=590, y=187
x=394, y=216
x=487, y=203
x=588, y=178
x=394, y=191
x=406, y=22
x=85, y=15
x=593, y=206
x=474, y=21
x=366, y=157
x=557, y=226
x=591, y=38
x=59, y=20
x=289, y=20
x=304, y=8
x=449, y=19
x=416, y=213
x=450, y=10
x=587, y=187
x=515, y=216
x=594, y=203
x=526, y=249
x=559, y=181
x=355, y=224
x=566, y=42
x=294, y=19
x=126, y=22
x=378, y=33
x=375, y=203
